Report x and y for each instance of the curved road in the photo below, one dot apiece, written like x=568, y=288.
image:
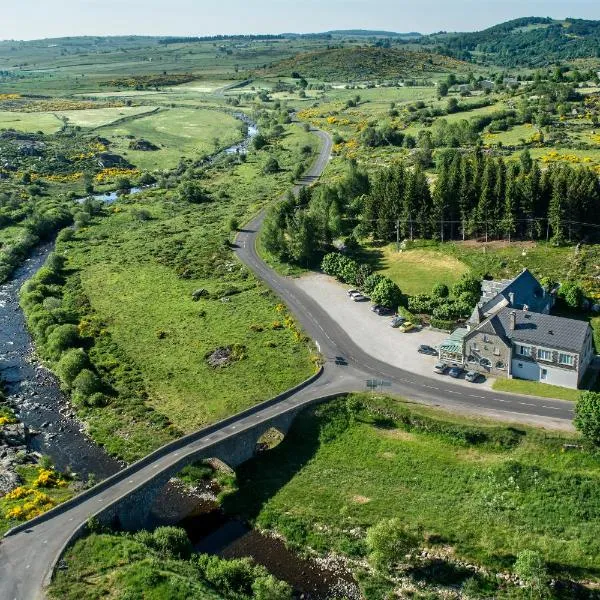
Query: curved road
x=28, y=556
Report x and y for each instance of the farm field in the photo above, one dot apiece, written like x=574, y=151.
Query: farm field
x=30, y=122
x=468, y=489
x=177, y=132
x=99, y=117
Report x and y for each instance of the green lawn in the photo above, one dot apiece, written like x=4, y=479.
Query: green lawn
x=178, y=132
x=534, y=388
x=479, y=491
x=417, y=271
x=30, y=122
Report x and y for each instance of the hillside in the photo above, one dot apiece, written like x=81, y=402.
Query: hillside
x=528, y=42
x=363, y=63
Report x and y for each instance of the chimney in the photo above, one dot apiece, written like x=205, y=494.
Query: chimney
x=513, y=320
x=511, y=298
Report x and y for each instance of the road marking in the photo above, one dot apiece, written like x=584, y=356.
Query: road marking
x=501, y=400
x=45, y=542
x=550, y=407
x=431, y=387
x=474, y=396
x=27, y=566
x=527, y=403
x=318, y=346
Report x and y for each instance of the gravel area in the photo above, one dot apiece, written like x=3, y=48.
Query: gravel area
x=372, y=332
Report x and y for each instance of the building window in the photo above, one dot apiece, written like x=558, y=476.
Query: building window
x=496, y=351
x=524, y=350
x=486, y=339
x=485, y=362
x=474, y=347
x=544, y=354
x=566, y=359
x=499, y=365
x=544, y=374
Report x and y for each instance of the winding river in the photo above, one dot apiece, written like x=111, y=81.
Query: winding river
x=35, y=394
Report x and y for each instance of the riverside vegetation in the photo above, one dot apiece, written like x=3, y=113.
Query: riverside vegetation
x=138, y=296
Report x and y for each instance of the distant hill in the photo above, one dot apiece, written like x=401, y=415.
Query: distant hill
x=371, y=33
x=362, y=63
x=529, y=42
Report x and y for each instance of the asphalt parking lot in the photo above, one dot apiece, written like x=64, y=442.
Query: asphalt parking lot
x=373, y=332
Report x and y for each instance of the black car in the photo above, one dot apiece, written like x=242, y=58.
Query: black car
x=340, y=360
x=423, y=349
x=378, y=309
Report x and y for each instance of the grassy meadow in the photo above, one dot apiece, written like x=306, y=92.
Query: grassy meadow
x=177, y=132
x=138, y=273
x=469, y=489
x=30, y=122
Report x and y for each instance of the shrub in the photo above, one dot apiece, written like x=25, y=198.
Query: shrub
x=61, y=338
x=530, y=567
x=71, y=364
x=86, y=383
x=191, y=191
x=259, y=141
x=587, y=416
x=571, y=294
x=172, y=541
x=371, y=283
x=388, y=543
x=443, y=324
x=233, y=224
x=269, y=588
x=271, y=166
x=440, y=290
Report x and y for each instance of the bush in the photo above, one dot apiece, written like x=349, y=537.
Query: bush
x=371, y=283
x=443, y=324
x=440, y=290
x=71, y=364
x=570, y=293
x=60, y=339
x=269, y=588
x=530, y=567
x=388, y=543
x=172, y=541
x=587, y=416
x=191, y=191
x=234, y=224
x=86, y=383
x=271, y=166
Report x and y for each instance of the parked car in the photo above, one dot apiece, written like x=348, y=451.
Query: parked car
x=381, y=310
x=351, y=293
x=440, y=367
x=473, y=376
x=424, y=349
x=359, y=298
x=397, y=321
x=456, y=371
x=340, y=360
x=407, y=326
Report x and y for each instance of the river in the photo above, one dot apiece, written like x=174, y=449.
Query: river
x=35, y=394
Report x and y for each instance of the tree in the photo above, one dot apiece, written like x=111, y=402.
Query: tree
x=571, y=294
x=371, y=283
x=86, y=383
x=387, y=293
x=442, y=89
x=259, y=141
x=388, y=543
x=531, y=568
x=233, y=224
x=62, y=337
x=587, y=416
x=172, y=541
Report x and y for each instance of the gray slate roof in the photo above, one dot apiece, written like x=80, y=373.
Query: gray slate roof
x=541, y=330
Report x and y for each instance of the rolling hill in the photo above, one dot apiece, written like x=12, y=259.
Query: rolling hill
x=528, y=42
x=360, y=63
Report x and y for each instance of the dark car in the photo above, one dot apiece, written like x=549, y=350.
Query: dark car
x=378, y=309
x=424, y=349
x=359, y=298
x=455, y=372
x=473, y=376
x=340, y=360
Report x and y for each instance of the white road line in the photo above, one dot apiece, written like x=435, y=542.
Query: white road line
x=453, y=392
x=550, y=407
x=501, y=400
x=474, y=396
x=527, y=403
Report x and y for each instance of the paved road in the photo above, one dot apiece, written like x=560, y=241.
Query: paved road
x=334, y=341
x=27, y=557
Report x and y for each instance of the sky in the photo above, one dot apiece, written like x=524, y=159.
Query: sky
x=35, y=19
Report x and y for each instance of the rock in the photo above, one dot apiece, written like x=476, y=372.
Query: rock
x=199, y=293
x=14, y=434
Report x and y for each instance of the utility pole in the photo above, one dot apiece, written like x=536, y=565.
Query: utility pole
x=547, y=229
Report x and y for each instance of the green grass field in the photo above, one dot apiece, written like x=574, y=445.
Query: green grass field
x=30, y=122
x=534, y=388
x=475, y=490
x=139, y=275
x=417, y=271
x=178, y=132
x=98, y=117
